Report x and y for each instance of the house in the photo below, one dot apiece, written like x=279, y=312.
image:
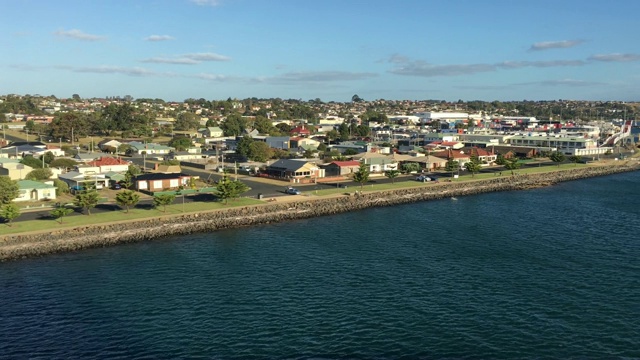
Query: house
x=86, y=157
x=293, y=169
x=160, y=181
x=427, y=162
x=108, y=163
x=30, y=190
x=167, y=169
x=300, y=131
x=278, y=142
x=304, y=143
x=377, y=162
x=109, y=145
x=184, y=155
x=486, y=156
x=341, y=168
x=138, y=148
x=212, y=131
x=456, y=155
x=88, y=178
x=509, y=152
x=14, y=169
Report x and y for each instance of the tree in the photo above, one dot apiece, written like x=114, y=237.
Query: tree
x=227, y=189
x=63, y=163
x=392, y=174
x=61, y=187
x=39, y=174
x=473, y=166
x=163, y=200
x=187, y=121
x=9, y=190
x=260, y=151
x=332, y=135
x=356, y=98
x=243, y=147
x=500, y=159
x=127, y=198
x=31, y=162
x=451, y=166
x=512, y=164
x=9, y=212
x=233, y=125
x=87, y=200
x=575, y=159
x=180, y=143
x=410, y=167
x=362, y=175
x=60, y=212
x=557, y=157
x=344, y=131
x=48, y=157
x=350, y=152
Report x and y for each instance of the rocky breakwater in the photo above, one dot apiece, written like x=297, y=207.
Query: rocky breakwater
x=73, y=239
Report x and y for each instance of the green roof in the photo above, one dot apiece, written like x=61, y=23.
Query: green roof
x=30, y=184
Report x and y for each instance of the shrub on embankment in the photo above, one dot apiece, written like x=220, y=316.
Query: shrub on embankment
x=17, y=246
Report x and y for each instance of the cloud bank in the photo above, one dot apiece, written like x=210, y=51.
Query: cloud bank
x=78, y=35
x=546, y=45
x=159, y=38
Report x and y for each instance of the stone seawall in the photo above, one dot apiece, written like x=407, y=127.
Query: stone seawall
x=25, y=245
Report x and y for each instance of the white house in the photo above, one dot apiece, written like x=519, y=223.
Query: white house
x=34, y=190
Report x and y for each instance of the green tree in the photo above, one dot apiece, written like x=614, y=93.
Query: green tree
x=39, y=174
x=362, y=175
x=87, y=200
x=243, y=147
x=260, y=151
x=163, y=200
x=355, y=98
x=233, y=125
x=180, y=143
x=350, y=152
x=451, y=166
x=392, y=174
x=9, y=190
x=31, y=162
x=229, y=189
x=344, y=131
x=473, y=166
x=48, y=157
x=187, y=121
x=557, y=157
x=61, y=187
x=63, y=163
x=500, y=160
x=410, y=167
x=332, y=135
x=9, y=212
x=60, y=212
x=127, y=198
x=512, y=164
x=575, y=159
x=263, y=125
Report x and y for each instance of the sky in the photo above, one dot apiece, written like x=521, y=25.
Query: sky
x=327, y=49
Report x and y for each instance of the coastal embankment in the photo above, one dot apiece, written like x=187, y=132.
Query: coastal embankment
x=82, y=237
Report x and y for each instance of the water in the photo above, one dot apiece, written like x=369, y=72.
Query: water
x=547, y=273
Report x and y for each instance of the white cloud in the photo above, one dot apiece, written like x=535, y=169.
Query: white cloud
x=617, y=57
x=422, y=68
x=550, y=63
x=211, y=77
x=175, y=61
x=546, y=45
x=563, y=82
x=107, y=69
x=159, y=38
x=317, y=76
x=206, y=2
x=79, y=35
x=187, y=59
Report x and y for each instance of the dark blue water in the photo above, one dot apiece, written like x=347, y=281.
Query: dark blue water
x=547, y=273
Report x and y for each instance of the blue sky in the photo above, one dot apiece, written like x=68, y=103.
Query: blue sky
x=331, y=49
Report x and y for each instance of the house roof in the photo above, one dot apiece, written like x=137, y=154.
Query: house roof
x=30, y=184
x=346, y=163
x=455, y=154
x=160, y=176
x=288, y=164
x=107, y=160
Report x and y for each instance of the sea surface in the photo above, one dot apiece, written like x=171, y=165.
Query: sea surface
x=544, y=273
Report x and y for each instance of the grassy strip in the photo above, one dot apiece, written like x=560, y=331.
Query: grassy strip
x=118, y=216
x=413, y=184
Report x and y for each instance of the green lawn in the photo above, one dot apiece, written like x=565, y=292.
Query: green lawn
x=413, y=184
x=116, y=216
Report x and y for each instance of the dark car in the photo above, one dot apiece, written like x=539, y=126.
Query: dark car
x=116, y=186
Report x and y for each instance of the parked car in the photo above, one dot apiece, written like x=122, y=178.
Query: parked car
x=292, y=191
x=116, y=186
x=423, y=178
